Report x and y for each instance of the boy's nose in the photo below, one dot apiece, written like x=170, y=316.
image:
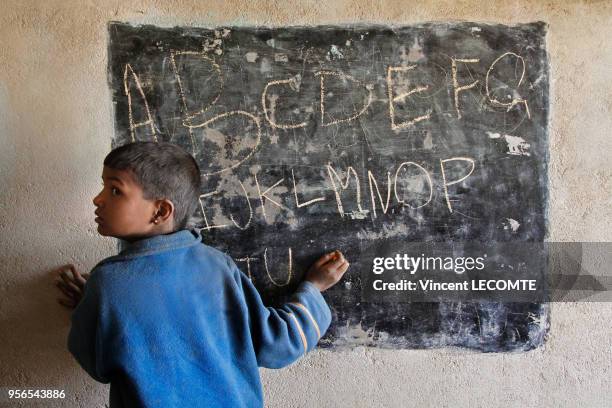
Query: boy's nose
x=97, y=200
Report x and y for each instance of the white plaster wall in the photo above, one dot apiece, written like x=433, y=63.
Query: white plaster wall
x=55, y=125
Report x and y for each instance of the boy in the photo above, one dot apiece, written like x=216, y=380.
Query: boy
x=169, y=321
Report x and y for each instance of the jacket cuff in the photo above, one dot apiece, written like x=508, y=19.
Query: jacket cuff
x=308, y=294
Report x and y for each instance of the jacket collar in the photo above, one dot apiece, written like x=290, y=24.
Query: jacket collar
x=158, y=243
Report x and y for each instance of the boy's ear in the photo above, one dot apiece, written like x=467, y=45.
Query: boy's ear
x=165, y=210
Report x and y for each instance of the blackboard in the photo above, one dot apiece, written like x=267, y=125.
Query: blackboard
x=355, y=137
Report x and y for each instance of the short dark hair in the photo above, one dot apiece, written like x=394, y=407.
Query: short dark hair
x=163, y=170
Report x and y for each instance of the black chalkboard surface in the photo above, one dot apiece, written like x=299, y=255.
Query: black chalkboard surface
x=316, y=138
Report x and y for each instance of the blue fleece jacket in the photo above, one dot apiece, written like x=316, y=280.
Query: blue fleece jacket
x=171, y=322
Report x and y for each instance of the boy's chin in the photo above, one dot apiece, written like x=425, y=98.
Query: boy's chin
x=106, y=233
x=102, y=231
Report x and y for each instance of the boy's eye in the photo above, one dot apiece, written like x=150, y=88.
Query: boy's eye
x=115, y=191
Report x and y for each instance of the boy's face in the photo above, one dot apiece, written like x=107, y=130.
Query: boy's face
x=121, y=209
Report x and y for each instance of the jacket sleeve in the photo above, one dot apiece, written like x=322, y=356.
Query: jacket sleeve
x=282, y=335
x=85, y=337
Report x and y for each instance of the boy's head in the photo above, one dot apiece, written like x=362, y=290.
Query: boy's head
x=149, y=189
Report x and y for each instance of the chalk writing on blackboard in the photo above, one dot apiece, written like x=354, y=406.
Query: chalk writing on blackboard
x=359, y=138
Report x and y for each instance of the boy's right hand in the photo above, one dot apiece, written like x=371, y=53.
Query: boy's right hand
x=327, y=270
x=71, y=286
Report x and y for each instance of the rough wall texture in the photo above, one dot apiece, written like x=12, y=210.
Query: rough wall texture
x=55, y=126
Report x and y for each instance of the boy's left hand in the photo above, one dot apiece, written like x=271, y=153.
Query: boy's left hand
x=71, y=286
